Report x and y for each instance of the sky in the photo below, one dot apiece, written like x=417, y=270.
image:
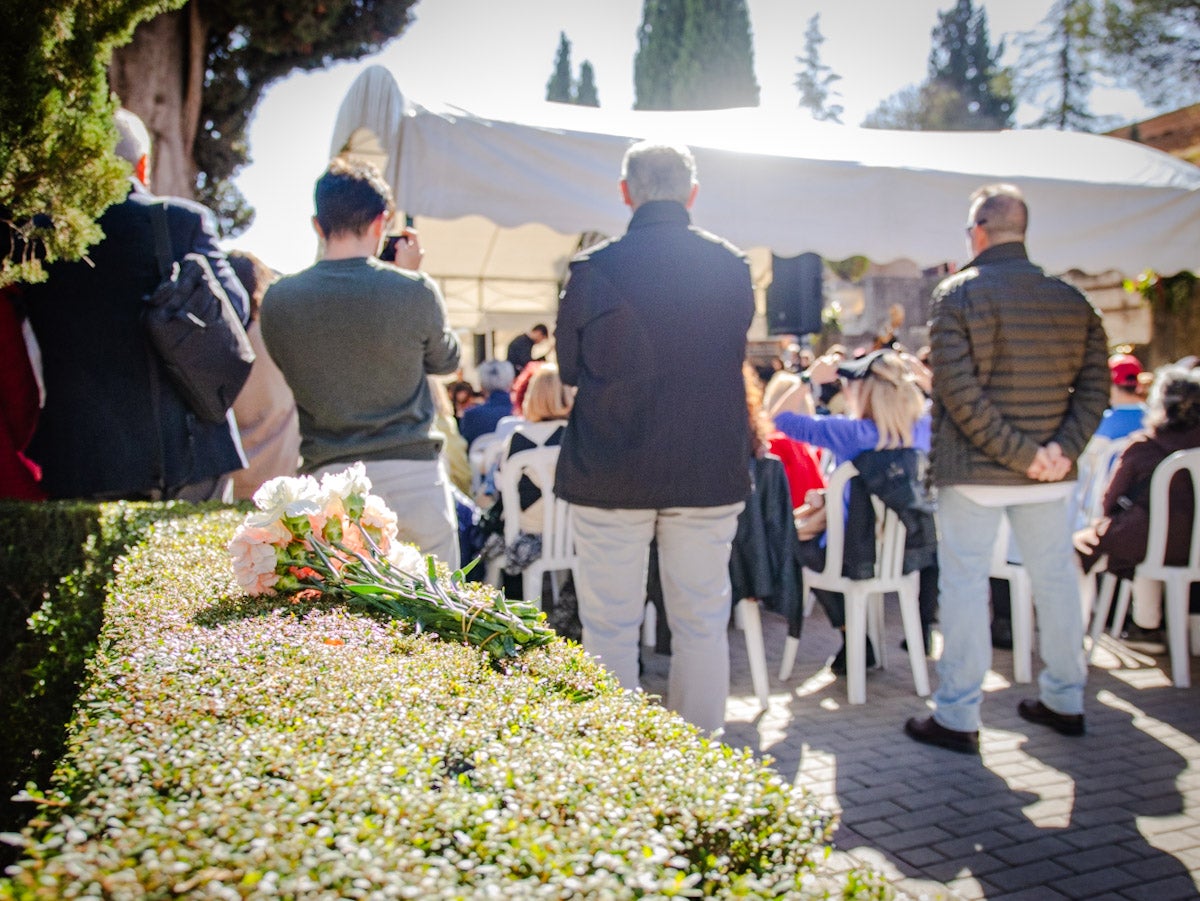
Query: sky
x=487, y=55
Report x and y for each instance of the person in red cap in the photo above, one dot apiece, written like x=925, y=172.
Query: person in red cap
x=1125, y=405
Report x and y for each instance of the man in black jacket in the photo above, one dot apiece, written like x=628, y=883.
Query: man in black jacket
x=1020, y=380
x=113, y=425
x=652, y=329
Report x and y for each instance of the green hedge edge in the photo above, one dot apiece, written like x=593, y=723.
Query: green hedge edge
x=229, y=747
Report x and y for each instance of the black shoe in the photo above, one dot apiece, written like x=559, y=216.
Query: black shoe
x=929, y=731
x=1002, y=634
x=1062, y=723
x=1151, y=641
x=838, y=665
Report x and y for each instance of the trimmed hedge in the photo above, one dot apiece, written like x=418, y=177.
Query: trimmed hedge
x=55, y=569
x=227, y=747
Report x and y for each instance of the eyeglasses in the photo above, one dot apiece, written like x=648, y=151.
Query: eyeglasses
x=974, y=225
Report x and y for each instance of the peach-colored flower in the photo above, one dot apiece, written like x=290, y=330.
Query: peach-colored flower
x=380, y=520
x=253, y=552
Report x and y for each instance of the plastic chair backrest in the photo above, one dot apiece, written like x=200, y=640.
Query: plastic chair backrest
x=1101, y=456
x=890, y=533
x=1160, y=483
x=558, y=545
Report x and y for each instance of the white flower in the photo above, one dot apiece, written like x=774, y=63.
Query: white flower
x=406, y=557
x=350, y=481
x=285, y=497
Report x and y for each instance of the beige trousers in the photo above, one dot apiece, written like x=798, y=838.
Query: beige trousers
x=693, y=553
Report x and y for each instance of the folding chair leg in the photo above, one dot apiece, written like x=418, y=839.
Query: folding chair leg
x=856, y=647
x=751, y=622
x=650, y=625
x=791, y=645
x=1108, y=583
x=910, y=617
x=1175, y=610
x=1022, y=630
x=1123, y=595
x=531, y=581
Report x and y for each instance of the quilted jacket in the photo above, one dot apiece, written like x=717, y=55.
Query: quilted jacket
x=1019, y=360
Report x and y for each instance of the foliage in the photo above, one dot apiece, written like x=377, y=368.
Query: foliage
x=815, y=80
x=967, y=88
x=55, y=571
x=57, y=169
x=694, y=54
x=1059, y=63
x=558, y=88
x=586, y=93
x=248, y=45
x=963, y=60
x=1173, y=293
x=1154, y=46
x=257, y=747
x=562, y=88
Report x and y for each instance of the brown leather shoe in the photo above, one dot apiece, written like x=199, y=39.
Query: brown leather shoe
x=929, y=731
x=1062, y=723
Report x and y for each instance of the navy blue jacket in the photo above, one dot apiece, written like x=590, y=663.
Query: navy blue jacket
x=110, y=427
x=652, y=329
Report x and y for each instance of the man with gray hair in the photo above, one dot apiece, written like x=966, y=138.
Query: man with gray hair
x=114, y=426
x=1020, y=380
x=652, y=329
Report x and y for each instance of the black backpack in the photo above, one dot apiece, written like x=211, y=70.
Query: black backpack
x=195, y=329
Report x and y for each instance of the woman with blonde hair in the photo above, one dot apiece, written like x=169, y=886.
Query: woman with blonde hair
x=886, y=411
x=545, y=407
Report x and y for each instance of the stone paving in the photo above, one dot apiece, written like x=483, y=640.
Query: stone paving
x=1111, y=815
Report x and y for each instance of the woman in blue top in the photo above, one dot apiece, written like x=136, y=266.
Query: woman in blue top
x=887, y=409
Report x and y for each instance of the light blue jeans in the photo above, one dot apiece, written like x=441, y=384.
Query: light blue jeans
x=966, y=535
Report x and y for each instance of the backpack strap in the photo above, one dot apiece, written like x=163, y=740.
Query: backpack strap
x=162, y=250
x=162, y=239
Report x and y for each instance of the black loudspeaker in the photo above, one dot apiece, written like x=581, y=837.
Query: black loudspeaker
x=795, y=297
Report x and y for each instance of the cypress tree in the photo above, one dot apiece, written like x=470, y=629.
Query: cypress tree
x=586, y=94
x=694, y=54
x=558, y=88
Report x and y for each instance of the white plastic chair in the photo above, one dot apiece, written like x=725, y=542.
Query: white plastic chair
x=1095, y=467
x=558, y=541
x=1176, y=580
x=864, y=597
x=1020, y=595
x=749, y=620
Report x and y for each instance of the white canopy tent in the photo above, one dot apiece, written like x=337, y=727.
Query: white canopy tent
x=501, y=204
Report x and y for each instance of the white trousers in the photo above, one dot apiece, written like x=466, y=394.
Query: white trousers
x=418, y=492
x=693, y=554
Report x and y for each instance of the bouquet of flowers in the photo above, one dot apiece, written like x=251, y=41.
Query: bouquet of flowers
x=337, y=538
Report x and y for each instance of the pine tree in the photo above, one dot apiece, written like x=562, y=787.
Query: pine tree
x=694, y=54
x=558, y=88
x=815, y=80
x=57, y=169
x=967, y=88
x=962, y=60
x=1154, y=47
x=1059, y=65
x=586, y=93
x=195, y=76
